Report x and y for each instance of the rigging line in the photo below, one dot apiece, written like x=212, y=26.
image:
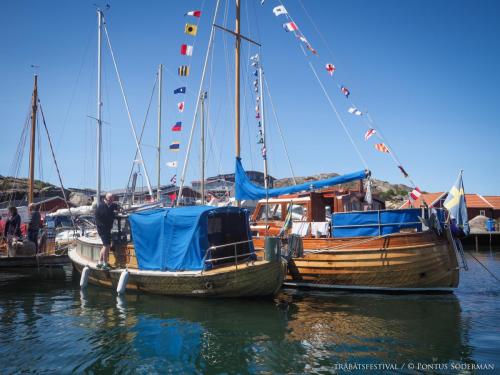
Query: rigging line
x=128, y=110
x=55, y=164
x=486, y=268
x=335, y=110
x=193, y=126
x=280, y=131
x=140, y=136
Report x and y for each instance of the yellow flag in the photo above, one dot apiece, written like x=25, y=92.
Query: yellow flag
x=190, y=29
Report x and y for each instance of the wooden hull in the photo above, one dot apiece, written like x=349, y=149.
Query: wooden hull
x=400, y=262
x=23, y=264
x=258, y=280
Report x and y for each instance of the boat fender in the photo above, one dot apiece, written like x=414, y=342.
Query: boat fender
x=84, y=279
x=122, y=283
x=209, y=285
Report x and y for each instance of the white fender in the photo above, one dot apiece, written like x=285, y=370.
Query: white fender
x=122, y=283
x=84, y=279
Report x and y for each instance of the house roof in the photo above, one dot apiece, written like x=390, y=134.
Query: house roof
x=23, y=202
x=473, y=200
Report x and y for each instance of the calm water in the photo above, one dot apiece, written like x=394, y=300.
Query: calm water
x=52, y=327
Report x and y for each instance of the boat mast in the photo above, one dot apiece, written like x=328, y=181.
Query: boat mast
x=237, y=84
x=34, y=107
x=263, y=122
x=202, y=141
x=158, y=166
x=99, y=104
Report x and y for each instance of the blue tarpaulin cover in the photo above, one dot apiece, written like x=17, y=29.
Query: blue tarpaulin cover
x=173, y=239
x=245, y=189
x=374, y=223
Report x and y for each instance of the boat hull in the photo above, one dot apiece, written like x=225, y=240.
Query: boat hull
x=258, y=280
x=402, y=262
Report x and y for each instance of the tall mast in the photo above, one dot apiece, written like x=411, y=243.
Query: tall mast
x=237, y=84
x=34, y=107
x=202, y=141
x=99, y=105
x=158, y=166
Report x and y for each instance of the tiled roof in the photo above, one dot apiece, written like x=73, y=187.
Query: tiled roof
x=473, y=200
x=429, y=198
x=494, y=201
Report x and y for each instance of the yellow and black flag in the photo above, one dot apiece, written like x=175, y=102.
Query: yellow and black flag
x=190, y=29
x=183, y=70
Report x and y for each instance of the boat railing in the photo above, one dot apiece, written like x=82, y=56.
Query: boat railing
x=236, y=256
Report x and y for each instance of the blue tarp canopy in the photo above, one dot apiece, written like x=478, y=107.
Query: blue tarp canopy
x=245, y=189
x=374, y=223
x=175, y=239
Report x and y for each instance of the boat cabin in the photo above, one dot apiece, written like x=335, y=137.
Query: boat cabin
x=308, y=214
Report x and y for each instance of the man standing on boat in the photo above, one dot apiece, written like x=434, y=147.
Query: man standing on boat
x=34, y=225
x=105, y=215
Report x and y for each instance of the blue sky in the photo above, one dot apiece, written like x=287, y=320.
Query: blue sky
x=427, y=71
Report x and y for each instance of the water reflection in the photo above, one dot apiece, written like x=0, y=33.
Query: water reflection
x=55, y=327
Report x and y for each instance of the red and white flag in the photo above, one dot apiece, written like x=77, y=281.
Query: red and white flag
x=290, y=26
x=415, y=193
x=381, y=147
x=194, y=13
x=180, y=106
x=369, y=133
x=330, y=68
x=186, y=49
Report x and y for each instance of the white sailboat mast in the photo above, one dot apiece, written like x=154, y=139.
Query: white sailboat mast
x=99, y=105
x=158, y=166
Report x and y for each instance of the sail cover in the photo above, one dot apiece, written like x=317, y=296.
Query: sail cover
x=176, y=239
x=245, y=189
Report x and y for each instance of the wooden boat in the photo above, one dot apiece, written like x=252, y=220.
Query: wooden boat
x=218, y=239
x=406, y=259
x=19, y=255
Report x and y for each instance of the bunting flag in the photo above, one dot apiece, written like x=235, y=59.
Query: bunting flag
x=190, y=29
x=194, y=13
x=180, y=90
x=187, y=50
x=174, y=146
x=290, y=26
x=344, y=90
x=173, y=180
x=177, y=126
x=279, y=10
x=172, y=164
x=180, y=106
x=183, y=70
x=405, y=174
x=415, y=194
x=381, y=147
x=310, y=48
x=369, y=133
x=330, y=68
x=354, y=111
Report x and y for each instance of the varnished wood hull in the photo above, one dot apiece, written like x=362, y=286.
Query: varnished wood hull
x=400, y=262
x=258, y=280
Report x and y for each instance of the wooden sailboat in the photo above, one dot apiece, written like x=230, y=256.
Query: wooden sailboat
x=20, y=256
x=406, y=258
x=184, y=251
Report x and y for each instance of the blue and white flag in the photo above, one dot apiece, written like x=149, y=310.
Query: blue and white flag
x=455, y=204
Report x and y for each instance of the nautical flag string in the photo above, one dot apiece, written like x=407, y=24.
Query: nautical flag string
x=174, y=146
x=369, y=133
x=194, y=13
x=173, y=180
x=381, y=147
x=177, y=127
x=330, y=68
x=344, y=90
x=186, y=50
x=415, y=193
x=290, y=26
x=190, y=29
x=183, y=70
x=353, y=110
x=180, y=90
x=180, y=106
x=405, y=174
x=172, y=164
x=279, y=10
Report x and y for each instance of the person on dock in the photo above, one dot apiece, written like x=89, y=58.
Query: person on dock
x=34, y=225
x=12, y=225
x=105, y=215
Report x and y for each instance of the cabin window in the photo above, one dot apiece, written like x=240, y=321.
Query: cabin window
x=299, y=212
x=274, y=212
x=482, y=212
